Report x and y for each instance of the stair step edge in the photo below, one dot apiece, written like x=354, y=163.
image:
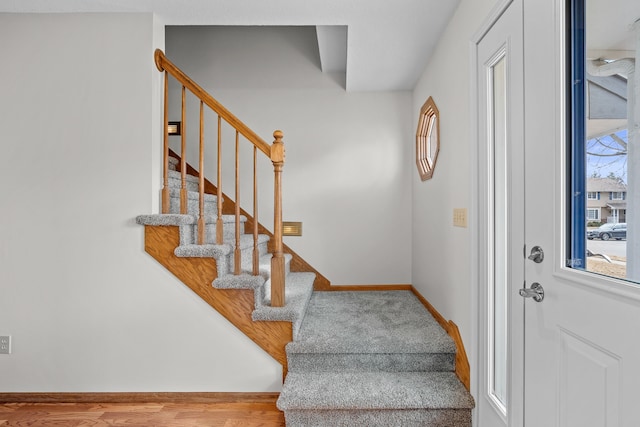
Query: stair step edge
x=298, y=290
x=192, y=195
x=203, y=251
x=183, y=219
x=319, y=347
x=173, y=174
x=227, y=219
x=247, y=280
x=213, y=250
x=166, y=219
x=265, y=261
x=371, y=362
x=242, y=281
x=373, y=390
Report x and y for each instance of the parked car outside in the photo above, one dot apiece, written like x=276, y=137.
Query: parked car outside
x=608, y=231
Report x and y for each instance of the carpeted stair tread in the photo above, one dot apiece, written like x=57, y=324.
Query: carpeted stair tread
x=242, y=281
x=203, y=251
x=298, y=291
x=213, y=251
x=166, y=219
x=175, y=181
x=192, y=195
x=264, y=265
x=248, y=281
x=183, y=219
x=227, y=219
x=370, y=362
x=173, y=174
x=387, y=322
x=373, y=390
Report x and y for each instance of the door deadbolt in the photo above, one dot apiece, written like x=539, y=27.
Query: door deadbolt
x=537, y=254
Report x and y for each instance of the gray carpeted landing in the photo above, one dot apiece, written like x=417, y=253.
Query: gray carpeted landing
x=372, y=359
x=369, y=322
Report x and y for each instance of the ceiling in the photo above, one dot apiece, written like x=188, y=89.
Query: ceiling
x=388, y=43
x=611, y=34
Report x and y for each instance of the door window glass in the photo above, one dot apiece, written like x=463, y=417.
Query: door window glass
x=499, y=195
x=604, y=153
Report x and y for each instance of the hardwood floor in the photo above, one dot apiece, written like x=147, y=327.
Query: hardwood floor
x=257, y=414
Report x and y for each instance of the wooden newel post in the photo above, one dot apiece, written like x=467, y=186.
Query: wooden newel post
x=277, y=260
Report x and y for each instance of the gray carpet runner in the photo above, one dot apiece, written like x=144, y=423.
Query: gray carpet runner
x=357, y=358
x=372, y=359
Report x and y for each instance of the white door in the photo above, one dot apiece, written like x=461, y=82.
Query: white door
x=571, y=359
x=582, y=341
x=499, y=69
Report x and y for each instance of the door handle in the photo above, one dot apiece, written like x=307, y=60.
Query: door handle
x=536, y=291
x=537, y=254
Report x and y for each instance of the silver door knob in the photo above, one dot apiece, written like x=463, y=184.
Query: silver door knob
x=536, y=291
x=537, y=254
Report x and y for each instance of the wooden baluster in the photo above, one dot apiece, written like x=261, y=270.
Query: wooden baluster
x=237, y=254
x=183, y=158
x=219, y=230
x=277, y=260
x=256, y=252
x=202, y=231
x=166, y=197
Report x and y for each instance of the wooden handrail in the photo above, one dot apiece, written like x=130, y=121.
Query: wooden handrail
x=275, y=153
x=164, y=64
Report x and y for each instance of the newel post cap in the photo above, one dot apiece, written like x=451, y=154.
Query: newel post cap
x=277, y=149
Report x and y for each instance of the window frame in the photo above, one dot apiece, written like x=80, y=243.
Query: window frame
x=576, y=136
x=597, y=211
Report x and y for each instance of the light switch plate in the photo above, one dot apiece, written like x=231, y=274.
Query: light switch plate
x=5, y=344
x=460, y=217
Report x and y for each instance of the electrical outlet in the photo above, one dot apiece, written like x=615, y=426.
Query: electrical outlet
x=460, y=217
x=5, y=344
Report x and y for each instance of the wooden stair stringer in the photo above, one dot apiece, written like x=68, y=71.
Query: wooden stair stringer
x=236, y=305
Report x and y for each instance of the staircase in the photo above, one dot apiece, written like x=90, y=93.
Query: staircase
x=351, y=358
x=363, y=358
x=299, y=285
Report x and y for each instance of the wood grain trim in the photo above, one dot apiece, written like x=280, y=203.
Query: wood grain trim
x=436, y=315
x=197, y=397
x=163, y=64
x=297, y=263
x=463, y=369
x=236, y=305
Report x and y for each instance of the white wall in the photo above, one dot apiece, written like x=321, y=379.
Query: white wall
x=442, y=264
x=347, y=175
x=87, y=308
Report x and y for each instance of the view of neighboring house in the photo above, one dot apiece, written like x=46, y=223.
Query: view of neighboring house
x=606, y=200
